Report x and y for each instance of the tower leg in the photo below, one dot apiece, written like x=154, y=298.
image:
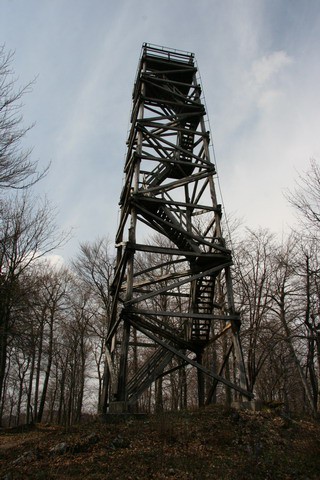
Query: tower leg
x=120, y=403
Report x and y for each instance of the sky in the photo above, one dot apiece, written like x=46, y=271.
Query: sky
x=260, y=72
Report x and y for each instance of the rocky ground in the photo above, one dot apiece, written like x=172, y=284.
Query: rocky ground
x=210, y=443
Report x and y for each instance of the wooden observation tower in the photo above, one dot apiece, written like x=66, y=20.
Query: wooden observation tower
x=173, y=310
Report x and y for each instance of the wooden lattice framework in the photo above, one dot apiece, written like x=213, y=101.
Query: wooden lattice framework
x=172, y=294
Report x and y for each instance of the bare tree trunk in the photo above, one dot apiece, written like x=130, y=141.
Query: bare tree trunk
x=4, y=332
x=18, y=409
x=29, y=416
x=228, y=398
x=158, y=395
x=200, y=380
x=48, y=372
x=4, y=389
x=38, y=371
x=62, y=397
x=288, y=339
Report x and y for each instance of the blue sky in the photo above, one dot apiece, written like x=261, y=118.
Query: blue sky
x=260, y=69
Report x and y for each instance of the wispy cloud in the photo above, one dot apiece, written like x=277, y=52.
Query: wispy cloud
x=266, y=69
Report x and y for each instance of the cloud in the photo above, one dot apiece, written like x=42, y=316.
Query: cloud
x=266, y=82
x=260, y=74
x=56, y=261
x=267, y=68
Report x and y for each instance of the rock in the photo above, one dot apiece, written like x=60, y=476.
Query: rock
x=26, y=457
x=119, y=442
x=8, y=476
x=92, y=439
x=85, y=444
x=59, y=449
x=235, y=416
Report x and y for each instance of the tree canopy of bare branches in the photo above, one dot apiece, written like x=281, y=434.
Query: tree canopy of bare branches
x=17, y=169
x=305, y=198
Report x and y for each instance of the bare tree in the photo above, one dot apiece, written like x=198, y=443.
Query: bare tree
x=308, y=272
x=287, y=289
x=53, y=292
x=28, y=232
x=71, y=359
x=94, y=267
x=253, y=287
x=17, y=169
x=305, y=198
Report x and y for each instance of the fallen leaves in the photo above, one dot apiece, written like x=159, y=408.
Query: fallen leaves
x=209, y=443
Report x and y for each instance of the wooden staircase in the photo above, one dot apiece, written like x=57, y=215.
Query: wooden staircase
x=203, y=303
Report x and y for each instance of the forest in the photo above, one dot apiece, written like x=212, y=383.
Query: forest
x=53, y=318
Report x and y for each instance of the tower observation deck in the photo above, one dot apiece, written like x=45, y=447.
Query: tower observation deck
x=173, y=317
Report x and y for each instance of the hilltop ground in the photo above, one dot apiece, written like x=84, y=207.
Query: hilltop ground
x=210, y=443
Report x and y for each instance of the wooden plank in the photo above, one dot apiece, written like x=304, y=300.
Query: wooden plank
x=174, y=314
x=180, y=204
x=174, y=251
x=178, y=284
x=177, y=183
x=169, y=333
x=175, y=147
